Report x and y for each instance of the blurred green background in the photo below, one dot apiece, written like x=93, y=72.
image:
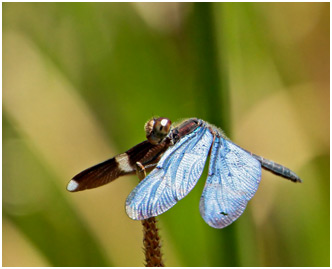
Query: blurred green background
x=81, y=79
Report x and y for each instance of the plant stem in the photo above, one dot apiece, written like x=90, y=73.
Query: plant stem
x=151, y=242
x=151, y=239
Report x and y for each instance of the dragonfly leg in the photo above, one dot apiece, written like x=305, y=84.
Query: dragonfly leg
x=140, y=171
x=151, y=166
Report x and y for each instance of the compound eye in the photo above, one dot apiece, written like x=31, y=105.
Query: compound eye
x=162, y=126
x=157, y=129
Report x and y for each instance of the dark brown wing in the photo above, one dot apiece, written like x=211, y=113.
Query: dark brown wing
x=122, y=164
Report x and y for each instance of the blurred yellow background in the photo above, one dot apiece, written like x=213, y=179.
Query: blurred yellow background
x=81, y=79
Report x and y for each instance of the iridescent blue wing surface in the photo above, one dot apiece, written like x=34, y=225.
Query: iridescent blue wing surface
x=176, y=174
x=233, y=179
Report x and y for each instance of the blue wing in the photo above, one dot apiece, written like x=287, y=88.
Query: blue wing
x=176, y=174
x=233, y=179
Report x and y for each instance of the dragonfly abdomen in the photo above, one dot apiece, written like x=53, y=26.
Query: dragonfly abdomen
x=277, y=169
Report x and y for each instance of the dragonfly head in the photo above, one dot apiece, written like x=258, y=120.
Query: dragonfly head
x=157, y=129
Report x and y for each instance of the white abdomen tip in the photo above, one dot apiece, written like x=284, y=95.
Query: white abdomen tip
x=72, y=185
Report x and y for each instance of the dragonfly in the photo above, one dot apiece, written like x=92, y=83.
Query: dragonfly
x=175, y=156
